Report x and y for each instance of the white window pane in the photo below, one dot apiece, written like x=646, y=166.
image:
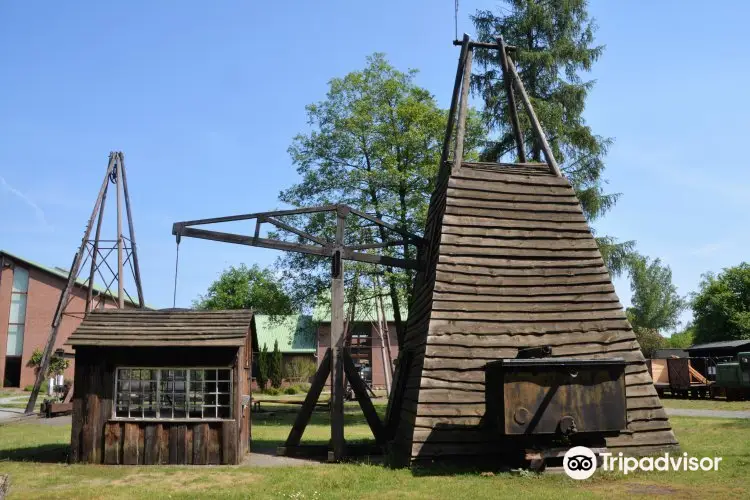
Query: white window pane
x=17, y=308
x=15, y=340
x=20, y=280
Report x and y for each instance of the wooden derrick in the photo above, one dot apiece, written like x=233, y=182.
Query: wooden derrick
x=510, y=263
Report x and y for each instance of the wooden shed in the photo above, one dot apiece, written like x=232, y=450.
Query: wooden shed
x=162, y=387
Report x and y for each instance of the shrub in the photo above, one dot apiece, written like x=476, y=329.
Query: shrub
x=262, y=377
x=291, y=390
x=42, y=390
x=275, y=366
x=57, y=364
x=300, y=369
x=272, y=391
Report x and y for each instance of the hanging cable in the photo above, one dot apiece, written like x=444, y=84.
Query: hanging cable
x=455, y=17
x=176, y=266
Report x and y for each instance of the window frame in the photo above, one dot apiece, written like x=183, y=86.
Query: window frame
x=188, y=391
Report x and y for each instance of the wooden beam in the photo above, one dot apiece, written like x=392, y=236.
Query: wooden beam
x=234, y=218
x=485, y=45
x=298, y=232
x=131, y=232
x=512, y=107
x=418, y=240
x=305, y=412
x=337, y=343
x=458, y=150
x=360, y=391
x=535, y=125
x=324, y=251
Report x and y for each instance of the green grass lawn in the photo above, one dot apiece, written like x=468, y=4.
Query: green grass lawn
x=706, y=404
x=33, y=454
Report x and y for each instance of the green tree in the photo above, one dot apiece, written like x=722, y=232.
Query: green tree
x=656, y=304
x=683, y=339
x=57, y=364
x=721, y=308
x=247, y=288
x=650, y=340
x=275, y=370
x=263, y=368
x=374, y=144
x=555, y=41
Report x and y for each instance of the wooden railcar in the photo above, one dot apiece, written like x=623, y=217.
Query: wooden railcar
x=162, y=387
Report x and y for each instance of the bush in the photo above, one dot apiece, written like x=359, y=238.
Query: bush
x=272, y=391
x=57, y=364
x=300, y=369
x=291, y=390
x=42, y=390
x=262, y=377
x=274, y=372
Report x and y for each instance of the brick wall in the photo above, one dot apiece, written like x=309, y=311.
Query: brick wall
x=43, y=295
x=378, y=374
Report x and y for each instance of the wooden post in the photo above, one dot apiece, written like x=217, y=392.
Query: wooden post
x=454, y=103
x=120, y=285
x=131, y=232
x=536, y=127
x=337, y=342
x=512, y=108
x=458, y=150
x=360, y=391
x=57, y=318
x=95, y=253
x=305, y=412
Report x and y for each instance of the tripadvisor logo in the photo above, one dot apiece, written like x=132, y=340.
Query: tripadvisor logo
x=580, y=462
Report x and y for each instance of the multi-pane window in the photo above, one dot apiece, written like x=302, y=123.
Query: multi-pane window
x=17, y=320
x=173, y=393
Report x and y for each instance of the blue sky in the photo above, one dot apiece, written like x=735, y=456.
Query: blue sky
x=205, y=97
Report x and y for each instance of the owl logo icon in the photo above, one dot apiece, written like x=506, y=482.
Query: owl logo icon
x=579, y=462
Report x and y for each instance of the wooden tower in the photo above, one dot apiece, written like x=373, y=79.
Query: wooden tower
x=511, y=263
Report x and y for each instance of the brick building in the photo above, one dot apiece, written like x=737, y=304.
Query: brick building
x=365, y=341
x=29, y=293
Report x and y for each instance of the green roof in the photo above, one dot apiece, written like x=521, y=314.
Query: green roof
x=295, y=333
x=62, y=273
x=365, y=311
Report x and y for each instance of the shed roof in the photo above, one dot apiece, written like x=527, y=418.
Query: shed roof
x=139, y=328
x=725, y=344
x=295, y=333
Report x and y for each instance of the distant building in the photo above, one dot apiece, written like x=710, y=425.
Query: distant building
x=365, y=341
x=295, y=335
x=723, y=349
x=29, y=293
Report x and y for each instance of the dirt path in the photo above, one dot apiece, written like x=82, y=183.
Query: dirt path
x=684, y=412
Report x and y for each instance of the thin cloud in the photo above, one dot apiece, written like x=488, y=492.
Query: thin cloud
x=40, y=215
x=709, y=249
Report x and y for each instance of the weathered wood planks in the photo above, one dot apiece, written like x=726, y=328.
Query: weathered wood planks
x=511, y=263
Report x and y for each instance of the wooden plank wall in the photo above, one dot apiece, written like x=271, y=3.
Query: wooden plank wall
x=517, y=266
x=96, y=438
x=161, y=443
x=405, y=396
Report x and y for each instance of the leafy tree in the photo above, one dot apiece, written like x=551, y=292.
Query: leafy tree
x=555, y=41
x=656, y=304
x=247, y=288
x=263, y=368
x=275, y=370
x=650, y=340
x=721, y=309
x=57, y=364
x=375, y=145
x=683, y=339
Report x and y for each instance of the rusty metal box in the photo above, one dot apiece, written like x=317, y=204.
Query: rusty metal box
x=555, y=395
